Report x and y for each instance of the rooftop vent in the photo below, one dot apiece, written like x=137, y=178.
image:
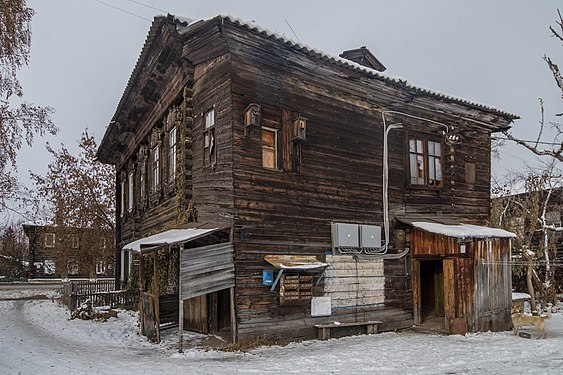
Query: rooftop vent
x=363, y=57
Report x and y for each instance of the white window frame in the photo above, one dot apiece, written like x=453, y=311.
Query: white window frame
x=52, y=241
x=155, y=168
x=172, y=140
x=130, y=191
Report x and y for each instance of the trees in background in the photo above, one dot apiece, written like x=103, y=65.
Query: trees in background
x=13, y=251
x=80, y=193
x=556, y=151
x=530, y=206
x=19, y=121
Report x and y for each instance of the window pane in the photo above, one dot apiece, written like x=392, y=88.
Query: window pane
x=268, y=158
x=419, y=148
x=269, y=149
x=437, y=149
x=210, y=119
x=438, y=172
x=420, y=165
x=412, y=145
x=431, y=171
x=430, y=148
x=268, y=138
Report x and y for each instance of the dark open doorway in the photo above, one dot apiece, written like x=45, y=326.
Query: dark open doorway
x=209, y=313
x=432, y=293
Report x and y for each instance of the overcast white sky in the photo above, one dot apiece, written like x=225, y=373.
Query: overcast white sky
x=83, y=52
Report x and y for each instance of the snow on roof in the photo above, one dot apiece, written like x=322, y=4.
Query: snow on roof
x=344, y=62
x=169, y=237
x=463, y=231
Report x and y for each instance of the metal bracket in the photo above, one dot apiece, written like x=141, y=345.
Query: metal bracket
x=278, y=277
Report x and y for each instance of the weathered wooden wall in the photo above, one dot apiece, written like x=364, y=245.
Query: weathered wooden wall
x=477, y=283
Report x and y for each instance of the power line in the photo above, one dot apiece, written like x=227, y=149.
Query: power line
x=148, y=6
x=524, y=140
x=123, y=10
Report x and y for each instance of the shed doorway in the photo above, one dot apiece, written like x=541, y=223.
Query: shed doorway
x=432, y=294
x=209, y=313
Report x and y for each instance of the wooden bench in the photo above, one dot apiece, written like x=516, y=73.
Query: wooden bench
x=323, y=330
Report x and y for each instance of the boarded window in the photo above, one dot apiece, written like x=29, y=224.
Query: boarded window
x=172, y=155
x=425, y=163
x=469, y=173
x=269, y=148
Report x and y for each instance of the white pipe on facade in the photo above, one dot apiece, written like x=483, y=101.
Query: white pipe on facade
x=386, y=130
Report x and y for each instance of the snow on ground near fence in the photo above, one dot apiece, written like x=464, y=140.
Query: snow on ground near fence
x=38, y=337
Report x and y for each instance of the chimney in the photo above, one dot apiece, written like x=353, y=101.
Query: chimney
x=363, y=57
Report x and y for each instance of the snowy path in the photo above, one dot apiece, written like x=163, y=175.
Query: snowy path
x=36, y=337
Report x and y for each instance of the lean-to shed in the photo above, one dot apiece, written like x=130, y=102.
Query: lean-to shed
x=461, y=275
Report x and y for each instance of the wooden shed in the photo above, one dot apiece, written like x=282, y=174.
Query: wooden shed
x=462, y=280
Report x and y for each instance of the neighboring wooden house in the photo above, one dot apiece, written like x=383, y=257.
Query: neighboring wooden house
x=56, y=252
x=285, y=170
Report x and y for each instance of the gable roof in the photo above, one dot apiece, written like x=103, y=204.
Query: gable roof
x=344, y=62
x=185, y=26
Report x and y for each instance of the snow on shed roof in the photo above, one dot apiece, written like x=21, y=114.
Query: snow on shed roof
x=463, y=231
x=342, y=61
x=169, y=237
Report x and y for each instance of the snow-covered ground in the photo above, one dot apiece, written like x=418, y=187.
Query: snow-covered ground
x=37, y=337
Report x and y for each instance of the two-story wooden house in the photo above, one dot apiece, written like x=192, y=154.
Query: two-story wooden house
x=308, y=188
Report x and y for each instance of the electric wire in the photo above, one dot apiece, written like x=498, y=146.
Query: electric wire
x=122, y=10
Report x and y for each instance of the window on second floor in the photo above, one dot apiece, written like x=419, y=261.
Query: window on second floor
x=122, y=200
x=130, y=191
x=172, y=155
x=269, y=148
x=209, y=144
x=142, y=180
x=425, y=163
x=155, y=168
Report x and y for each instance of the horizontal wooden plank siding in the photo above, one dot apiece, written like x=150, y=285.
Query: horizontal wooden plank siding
x=206, y=269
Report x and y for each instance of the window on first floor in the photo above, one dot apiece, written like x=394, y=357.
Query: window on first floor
x=425, y=162
x=269, y=148
x=49, y=239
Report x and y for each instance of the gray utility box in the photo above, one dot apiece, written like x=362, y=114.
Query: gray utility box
x=370, y=236
x=345, y=236
x=354, y=238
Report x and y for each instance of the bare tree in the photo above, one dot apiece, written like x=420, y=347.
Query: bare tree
x=556, y=151
x=80, y=193
x=21, y=122
x=533, y=214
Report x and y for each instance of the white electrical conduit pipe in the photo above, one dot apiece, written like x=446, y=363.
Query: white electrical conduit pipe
x=386, y=130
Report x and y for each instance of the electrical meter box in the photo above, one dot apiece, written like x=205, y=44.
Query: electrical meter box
x=345, y=235
x=370, y=236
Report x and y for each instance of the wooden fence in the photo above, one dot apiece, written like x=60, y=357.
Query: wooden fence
x=100, y=292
